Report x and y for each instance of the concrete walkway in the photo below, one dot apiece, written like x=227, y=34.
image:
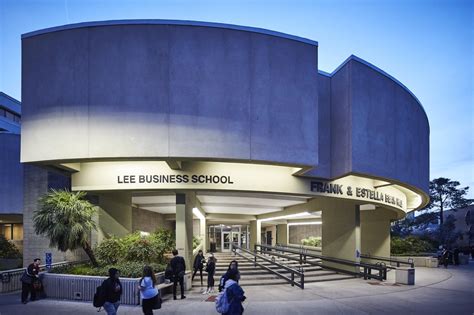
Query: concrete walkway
x=437, y=291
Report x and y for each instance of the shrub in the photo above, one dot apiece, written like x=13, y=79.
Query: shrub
x=312, y=241
x=143, y=249
x=8, y=249
x=110, y=251
x=127, y=269
x=409, y=245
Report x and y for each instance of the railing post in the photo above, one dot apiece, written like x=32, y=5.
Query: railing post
x=255, y=260
x=292, y=279
x=302, y=279
x=365, y=273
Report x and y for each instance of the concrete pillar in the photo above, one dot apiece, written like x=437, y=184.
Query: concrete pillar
x=255, y=233
x=282, y=234
x=341, y=233
x=375, y=231
x=202, y=229
x=184, y=226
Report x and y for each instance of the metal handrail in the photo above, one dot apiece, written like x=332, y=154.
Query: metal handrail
x=304, y=254
x=365, y=256
x=293, y=272
x=390, y=260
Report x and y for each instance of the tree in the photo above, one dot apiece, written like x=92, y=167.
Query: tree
x=445, y=194
x=66, y=218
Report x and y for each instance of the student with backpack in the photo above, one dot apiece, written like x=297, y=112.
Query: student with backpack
x=112, y=290
x=229, y=301
x=232, y=265
x=178, y=265
x=148, y=292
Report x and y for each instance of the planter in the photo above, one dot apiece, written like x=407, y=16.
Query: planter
x=419, y=261
x=82, y=288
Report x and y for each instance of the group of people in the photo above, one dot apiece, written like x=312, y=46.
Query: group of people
x=228, y=283
x=111, y=288
x=446, y=256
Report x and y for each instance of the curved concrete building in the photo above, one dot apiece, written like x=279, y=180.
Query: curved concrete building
x=156, y=118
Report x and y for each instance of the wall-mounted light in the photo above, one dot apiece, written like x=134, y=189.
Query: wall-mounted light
x=198, y=213
x=289, y=216
x=306, y=223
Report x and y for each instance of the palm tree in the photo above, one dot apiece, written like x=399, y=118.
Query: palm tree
x=66, y=218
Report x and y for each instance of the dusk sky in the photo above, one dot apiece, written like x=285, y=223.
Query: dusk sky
x=426, y=45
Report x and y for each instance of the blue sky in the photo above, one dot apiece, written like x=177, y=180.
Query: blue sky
x=427, y=45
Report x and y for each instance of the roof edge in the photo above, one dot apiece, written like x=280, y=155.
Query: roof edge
x=377, y=69
x=169, y=22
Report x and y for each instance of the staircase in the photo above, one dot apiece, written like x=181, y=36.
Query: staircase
x=250, y=275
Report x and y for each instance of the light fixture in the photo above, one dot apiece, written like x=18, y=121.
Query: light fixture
x=198, y=213
x=144, y=234
x=306, y=223
x=288, y=216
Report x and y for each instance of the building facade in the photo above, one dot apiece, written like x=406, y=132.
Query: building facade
x=224, y=132
x=11, y=171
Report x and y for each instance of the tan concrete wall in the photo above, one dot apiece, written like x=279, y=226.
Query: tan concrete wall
x=282, y=234
x=298, y=232
x=149, y=221
x=119, y=206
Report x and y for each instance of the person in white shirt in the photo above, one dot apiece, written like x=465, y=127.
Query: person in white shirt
x=148, y=292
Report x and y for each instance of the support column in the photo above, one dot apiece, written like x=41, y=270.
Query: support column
x=184, y=226
x=375, y=231
x=282, y=234
x=202, y=230
x=255, y=233
x=341, y=234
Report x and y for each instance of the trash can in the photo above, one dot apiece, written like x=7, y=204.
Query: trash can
x=404, y=275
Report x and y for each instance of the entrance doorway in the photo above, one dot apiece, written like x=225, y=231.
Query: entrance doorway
x=230, y=237
x=223, y=235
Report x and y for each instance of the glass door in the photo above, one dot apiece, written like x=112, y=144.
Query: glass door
x=226, y=241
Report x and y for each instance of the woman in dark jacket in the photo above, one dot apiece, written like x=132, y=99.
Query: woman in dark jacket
x=235, y=294
x=232, y=265
x=112, y=289
x=211, y=270
x=198, y=264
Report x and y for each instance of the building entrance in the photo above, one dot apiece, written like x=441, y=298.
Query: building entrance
x=221, y=236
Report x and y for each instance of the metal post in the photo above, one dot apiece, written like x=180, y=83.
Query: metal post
x=292, y=279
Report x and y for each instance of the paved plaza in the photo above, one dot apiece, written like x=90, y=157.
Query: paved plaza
x=437, y=291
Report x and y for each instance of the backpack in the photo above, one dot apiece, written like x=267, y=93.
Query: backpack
x=99, y=297
x=223, y=302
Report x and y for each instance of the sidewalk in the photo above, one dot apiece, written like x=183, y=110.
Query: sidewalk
x=437, y=291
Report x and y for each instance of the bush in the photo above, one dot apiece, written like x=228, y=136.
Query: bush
x=110, y=251
x=409, y=245
x=7, y=249
x=312, y=241
x=127, y=269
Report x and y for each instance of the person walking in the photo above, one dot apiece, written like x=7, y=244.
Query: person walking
x=178, y=265
x=445, y=256
x=148, y=292
x=211, y=270
x=235, y=294
x=233, y=265
x=198, y=265
x=27, y=279
x=112, y=289
x=456, y=256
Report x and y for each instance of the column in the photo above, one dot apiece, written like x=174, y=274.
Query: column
x=203, y=234
x=341, y=233
x=282, y=234
x=255, y=233
x=184, y=226
x=375, y=231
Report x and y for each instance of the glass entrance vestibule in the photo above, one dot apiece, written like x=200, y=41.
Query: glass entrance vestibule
x=221, y=236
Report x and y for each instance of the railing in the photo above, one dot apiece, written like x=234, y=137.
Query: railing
x=10, y=279
x=292, y=271
x=390, y=260
x=304, y=254
x=398, y=262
